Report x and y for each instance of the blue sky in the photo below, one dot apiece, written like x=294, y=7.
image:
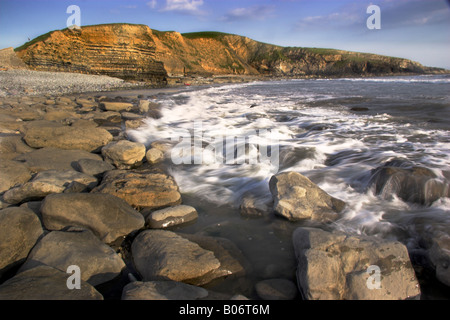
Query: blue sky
x=413, y=29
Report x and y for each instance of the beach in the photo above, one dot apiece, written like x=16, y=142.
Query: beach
x=88, y=162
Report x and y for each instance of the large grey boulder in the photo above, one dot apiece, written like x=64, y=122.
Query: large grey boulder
x=108, y=217
x=297, y=198
x=141, y=188
x=124, y=154
x=89, y=139
x=48, y=182
x=336, y=266
x=20, y=228
x=54, y=159
x=164, y=255
x=162, y=290
x=45, y=283
x=98, y=262
x=439, y=254
x=12, y=173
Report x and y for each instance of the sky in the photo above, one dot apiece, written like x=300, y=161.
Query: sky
x=414, y=29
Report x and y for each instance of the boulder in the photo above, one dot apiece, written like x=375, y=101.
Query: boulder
x=276, y=289
x=254, y=207
x=108, y=217
x=12, y=173
x=232, y=261
x=54, y=159
x=144, y=106
x=336, y=266
x=410, y=183
x=297, y=198
x=154, y=156
x=48, y=182
x=116, y=106
x=141, y=189
x=124, y=154
x=20, y=228
x=171, y=216
x=89, y=139
x=164, y=255
x=93, y=167
x=45, y=283
x=98, y=262
x=162, y=290
x=12, y=146
x=439, y=254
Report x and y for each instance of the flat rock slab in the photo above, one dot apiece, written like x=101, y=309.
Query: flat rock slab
x=93, y=167
x=12, y=146
x=20, y=228
x=12, y=173
x=54, y=159
x=98, y=262
x=141, y=189
x=124, y=154
x=116, y=106
x=232, y=261
x=162, y=290
x=164, y=255
x=171, y=216
x=336, y=266
x=108, y=217
x=48, y=182
x=297, y=198
x=45, y=283
x=89, y=139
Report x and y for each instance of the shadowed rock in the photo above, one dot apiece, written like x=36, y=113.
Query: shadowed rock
x=20, y=228
x=98, y=262
x=45, y=283
x=410, y=183
x=108, y=217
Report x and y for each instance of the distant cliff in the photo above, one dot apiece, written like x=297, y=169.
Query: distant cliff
x=135, y=52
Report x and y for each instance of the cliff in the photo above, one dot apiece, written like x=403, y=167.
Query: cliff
x=9, y=60
x=136, y=52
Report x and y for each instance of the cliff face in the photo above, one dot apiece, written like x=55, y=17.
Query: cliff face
x=135, y=52
x=122, y=51
x=9, y=60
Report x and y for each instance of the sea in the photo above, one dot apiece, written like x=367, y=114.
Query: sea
x=333, y=131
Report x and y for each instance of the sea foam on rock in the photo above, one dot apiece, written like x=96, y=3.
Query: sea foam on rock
x=297, y=198
x=411, y=183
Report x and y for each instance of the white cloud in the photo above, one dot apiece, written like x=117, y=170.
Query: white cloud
x=258, y=12
x=152, y=4
x=187, y=6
